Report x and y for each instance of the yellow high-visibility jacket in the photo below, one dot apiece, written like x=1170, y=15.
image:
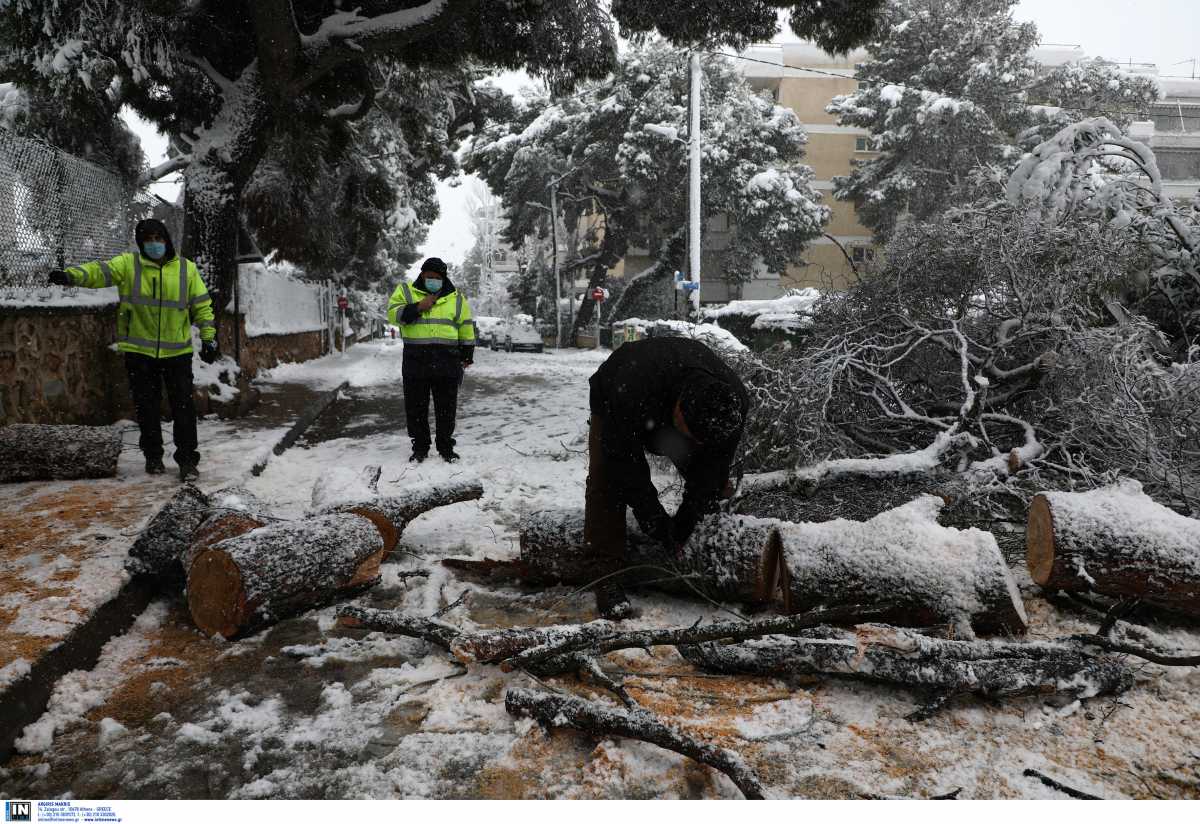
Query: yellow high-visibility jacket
x=159, y=304
x=447, y=323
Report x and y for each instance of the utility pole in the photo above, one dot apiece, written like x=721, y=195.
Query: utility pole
x=554, y=259
x=694, y=184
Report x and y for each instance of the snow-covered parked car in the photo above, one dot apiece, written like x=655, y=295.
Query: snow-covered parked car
x=520, y=336
x=485, y=329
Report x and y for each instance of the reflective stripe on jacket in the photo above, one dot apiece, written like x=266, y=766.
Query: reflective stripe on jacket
x=159, y=304
x=447, y=323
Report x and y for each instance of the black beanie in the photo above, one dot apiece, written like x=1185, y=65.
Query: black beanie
x=712, y=411
x=434, y=265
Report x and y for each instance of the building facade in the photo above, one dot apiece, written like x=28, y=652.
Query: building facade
x=804, y=78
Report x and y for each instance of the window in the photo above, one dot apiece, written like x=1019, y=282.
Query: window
x=862, y=144
x=862, y=254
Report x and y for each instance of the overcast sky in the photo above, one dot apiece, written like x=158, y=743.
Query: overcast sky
x=1151, y=31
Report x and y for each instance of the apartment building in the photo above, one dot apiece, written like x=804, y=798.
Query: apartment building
x=804, y=78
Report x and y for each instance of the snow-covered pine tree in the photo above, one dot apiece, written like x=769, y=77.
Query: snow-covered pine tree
x=220, y=76
x=952, y=85
x=615, y=153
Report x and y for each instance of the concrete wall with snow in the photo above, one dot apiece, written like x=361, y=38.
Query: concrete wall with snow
x=276, y=302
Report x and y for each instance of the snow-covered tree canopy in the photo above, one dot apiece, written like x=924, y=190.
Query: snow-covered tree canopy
x=223, y=77
x=615, y=151
x=953, y=89
x=1092, y=169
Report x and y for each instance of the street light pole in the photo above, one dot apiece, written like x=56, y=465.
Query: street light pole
x=554, y=258
x=694, y=183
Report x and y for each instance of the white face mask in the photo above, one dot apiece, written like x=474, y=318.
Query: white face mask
x=433, y=285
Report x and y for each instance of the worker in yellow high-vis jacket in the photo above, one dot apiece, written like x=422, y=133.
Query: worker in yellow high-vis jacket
x=162, y=297
x=439, y=342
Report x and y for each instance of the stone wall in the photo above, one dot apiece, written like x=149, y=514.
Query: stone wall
x=266, y=351
x=57, y=365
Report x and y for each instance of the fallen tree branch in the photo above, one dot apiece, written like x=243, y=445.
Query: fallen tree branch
x=1062, y=788
x=594, y=719
x=383, y=620
x=1140, y=652
x=675, y=636
x=943, y=667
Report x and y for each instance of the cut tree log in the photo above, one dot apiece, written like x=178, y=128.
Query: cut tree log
x=927, y=573
x=942, y=667
x=931, y=574
x=1115, y=541
x=728, y=557
x=160, y=547
x=391, y=514
x=267, y=574
x=232, y=511
x=591, y=718
x=42, y=452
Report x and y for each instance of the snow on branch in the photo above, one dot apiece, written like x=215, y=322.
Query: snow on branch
x=168, y=166
x=346, y=25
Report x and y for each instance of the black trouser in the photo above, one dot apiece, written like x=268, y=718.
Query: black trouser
x=146, y=378
x=444, y=389
x=604, y=512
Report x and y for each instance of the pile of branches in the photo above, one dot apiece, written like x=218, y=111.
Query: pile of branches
x=989, y=344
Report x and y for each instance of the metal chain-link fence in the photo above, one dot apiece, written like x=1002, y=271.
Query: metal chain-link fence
x=57, y=210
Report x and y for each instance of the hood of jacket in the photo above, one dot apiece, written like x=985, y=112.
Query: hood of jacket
x=144, y=227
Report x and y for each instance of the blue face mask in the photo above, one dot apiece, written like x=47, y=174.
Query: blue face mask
x=433, y=285
x=155, y=249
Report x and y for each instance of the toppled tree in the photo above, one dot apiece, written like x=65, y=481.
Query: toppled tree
x=951, y=94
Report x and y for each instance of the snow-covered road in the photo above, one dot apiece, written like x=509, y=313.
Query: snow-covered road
x=306, y=709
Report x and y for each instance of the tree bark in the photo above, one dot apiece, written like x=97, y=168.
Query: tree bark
x=727, y=557
x=943, y=667
x=930, y=574
x=41, y=452
x=231, y=512
x=555, y=710
x=1116, y=541
x=160, y=547
x=270, y=573
x=391, y=514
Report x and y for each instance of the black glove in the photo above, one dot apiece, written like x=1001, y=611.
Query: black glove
x=209, y=353
x=662, y=530
x=60, y=278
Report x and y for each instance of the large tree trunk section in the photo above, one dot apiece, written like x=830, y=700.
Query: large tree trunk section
x=1115, y=541
x=232, y=511
x=267, y=574
x=41, y=452
x=393, y=513
x=160, y=548
x=943, y=667
x=929, y=573
x=591, y=718
x=728, y=557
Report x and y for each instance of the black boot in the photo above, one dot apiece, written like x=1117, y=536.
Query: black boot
x=418, y=456
x=450, y=456
x=188, y=472
x=611, y=601
x=154, y=466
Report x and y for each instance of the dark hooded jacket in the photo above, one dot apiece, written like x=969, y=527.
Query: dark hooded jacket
x=635, y=391
x=144, y=227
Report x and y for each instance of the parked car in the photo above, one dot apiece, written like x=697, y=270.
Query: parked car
x=485, y=329
x=521, y=337
x=496, y=339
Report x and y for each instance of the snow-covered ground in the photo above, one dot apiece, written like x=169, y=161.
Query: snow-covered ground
x=307, y=709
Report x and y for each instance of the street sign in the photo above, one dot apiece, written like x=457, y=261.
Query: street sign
x=599, y=294
x=342, y=302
